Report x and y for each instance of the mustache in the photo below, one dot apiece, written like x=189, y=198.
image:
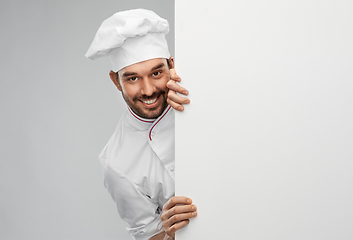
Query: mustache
x=145, y=97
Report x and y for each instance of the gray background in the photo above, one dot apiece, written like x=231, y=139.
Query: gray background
x=58, y=110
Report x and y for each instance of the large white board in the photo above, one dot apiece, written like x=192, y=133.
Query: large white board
x=265, y=149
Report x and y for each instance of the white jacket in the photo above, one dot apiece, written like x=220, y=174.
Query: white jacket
x=138, y=169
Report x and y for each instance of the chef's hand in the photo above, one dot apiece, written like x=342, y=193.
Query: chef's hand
x=176, y=214
x=175, y=100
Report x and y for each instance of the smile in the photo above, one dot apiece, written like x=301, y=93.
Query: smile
x=150, y=101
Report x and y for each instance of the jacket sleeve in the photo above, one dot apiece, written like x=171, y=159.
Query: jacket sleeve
x=133, y=205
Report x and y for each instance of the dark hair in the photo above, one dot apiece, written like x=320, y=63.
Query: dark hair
x=168, y=63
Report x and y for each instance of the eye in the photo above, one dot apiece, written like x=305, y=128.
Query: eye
x=132, y=79
x=155, y=74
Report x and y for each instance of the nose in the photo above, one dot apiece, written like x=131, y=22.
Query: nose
x=147, y=87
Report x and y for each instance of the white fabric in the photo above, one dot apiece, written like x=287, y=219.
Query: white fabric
x=130, y=37
x=138, y=49
x=138, y=169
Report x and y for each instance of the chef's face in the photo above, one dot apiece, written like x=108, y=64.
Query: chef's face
x=144, y=86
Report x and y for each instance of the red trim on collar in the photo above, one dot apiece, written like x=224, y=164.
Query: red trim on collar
x=137, y=117
x=157, y=122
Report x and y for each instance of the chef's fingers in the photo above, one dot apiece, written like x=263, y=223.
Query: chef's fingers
x=177, y=98
x=172, y=229
x=175, y=105
x=176, y=101
x=176, y=200
x=175, y=219
x=174, y=76
x=179, y=217
x=175, y=214
x=172, y=85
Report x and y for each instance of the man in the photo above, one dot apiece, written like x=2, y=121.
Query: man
x=138, y=161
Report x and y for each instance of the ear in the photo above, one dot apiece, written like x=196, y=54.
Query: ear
x=171, y=62
x=113, y=76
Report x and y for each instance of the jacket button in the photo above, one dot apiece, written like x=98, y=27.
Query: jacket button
x=172, y=169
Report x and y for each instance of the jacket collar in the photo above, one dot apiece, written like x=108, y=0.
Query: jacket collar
x=143, y=123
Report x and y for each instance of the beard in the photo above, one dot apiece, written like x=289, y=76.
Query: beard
x=149, y=113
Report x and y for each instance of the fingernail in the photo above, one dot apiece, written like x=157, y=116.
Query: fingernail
x=189, y=200
x=194, y=207
x=185, y=92
x=180, y=108
x=186, y=102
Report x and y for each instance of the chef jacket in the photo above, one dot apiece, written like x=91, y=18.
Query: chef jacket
x=138, y=170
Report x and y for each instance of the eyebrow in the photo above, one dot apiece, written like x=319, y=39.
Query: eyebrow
x=127, y=74
x=158, y=66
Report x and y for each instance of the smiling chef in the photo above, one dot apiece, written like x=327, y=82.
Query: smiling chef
x=138, y=161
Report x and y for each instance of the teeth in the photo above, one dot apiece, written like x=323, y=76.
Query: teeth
x=150, y=101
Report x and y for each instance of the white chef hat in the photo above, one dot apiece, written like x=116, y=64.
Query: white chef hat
x=130, y=37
